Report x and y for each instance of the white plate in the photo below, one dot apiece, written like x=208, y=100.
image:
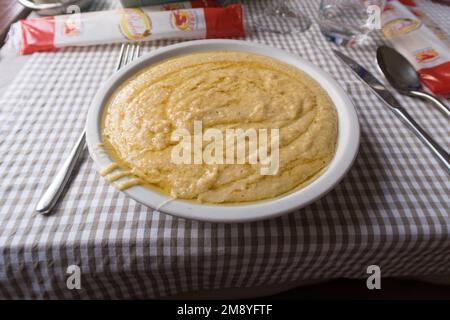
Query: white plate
x=347, y=146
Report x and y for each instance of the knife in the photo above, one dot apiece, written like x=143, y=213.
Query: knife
x=393, y=104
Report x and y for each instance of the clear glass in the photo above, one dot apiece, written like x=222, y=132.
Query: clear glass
x=281, y=17
x=349, y=22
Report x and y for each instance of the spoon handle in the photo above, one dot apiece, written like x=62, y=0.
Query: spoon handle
x=438, y=151
x=438, y=103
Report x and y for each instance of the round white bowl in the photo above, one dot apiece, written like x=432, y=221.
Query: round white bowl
x=347, y=145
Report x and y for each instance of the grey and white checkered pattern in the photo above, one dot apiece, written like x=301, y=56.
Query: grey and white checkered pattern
x=392, y=209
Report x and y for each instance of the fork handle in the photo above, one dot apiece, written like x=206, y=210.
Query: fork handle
x=54, y=191
x=437, y=150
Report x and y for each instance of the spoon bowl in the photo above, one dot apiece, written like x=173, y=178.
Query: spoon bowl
x=402, y=75
x=398, y=70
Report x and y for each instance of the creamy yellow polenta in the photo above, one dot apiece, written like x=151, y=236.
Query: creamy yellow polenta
x=223, y=90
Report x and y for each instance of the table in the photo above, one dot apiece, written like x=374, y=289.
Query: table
x=391, y=210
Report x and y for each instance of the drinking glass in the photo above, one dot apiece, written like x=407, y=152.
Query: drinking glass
x=281, y=17
x=349, y=22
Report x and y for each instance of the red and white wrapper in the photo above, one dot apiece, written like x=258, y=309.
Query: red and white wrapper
x=130, y=24
x=429, y=55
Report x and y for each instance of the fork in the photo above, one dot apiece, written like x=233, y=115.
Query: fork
x=128, y=52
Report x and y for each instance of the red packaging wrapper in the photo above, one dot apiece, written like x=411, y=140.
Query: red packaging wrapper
x=407, y=31
x=133, y=24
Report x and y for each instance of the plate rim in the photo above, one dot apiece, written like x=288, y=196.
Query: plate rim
x=259, y=210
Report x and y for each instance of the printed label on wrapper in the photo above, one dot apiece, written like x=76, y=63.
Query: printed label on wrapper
x=135, y=24
x=429, y=55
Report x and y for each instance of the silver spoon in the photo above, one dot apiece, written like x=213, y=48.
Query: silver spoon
x=403, y=77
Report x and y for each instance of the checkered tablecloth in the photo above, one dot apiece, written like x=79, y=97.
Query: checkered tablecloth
x=392, y=209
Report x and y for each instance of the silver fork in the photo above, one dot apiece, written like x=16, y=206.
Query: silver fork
x=128, y=52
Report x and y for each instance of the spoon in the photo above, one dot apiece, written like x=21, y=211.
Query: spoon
x=403, y=77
